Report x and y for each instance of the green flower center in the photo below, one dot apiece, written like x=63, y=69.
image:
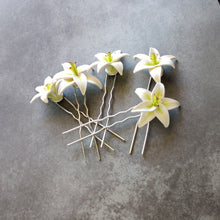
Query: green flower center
x=48, y=87
x=156, y=100
x=153, y=61
x=74, y=68
x=108, y=58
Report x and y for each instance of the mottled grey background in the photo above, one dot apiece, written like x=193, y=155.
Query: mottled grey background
x=42, y=178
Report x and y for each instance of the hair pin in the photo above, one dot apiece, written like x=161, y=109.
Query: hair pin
x=112, y=65
x=154, y=63
x=71, y=76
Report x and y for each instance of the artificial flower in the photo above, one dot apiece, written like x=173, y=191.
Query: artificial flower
x=73, y=75
x=110, y=61
x=154, y=63
x=48, y=90
x=154, y=104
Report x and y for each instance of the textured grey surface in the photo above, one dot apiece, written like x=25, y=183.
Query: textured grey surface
x=42, y=178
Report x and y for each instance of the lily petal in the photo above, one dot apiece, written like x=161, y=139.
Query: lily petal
x=100, y=56
x=141, y=57
x=92, y=65
x=117, y=57
x=141, y=66
x=81, y=82
x=158, y=91
x=38, y=95
x=66, y=66
x=144, y=94
x=57, y=83
x=162, y=114
x=110, y=70
x=63, y=75
x=118, y=66
x=145, y=118
x=64, y=85
x=156, y=73
x=44, y=98
x=170, y=103
x=93, y=80
x=101, y=65
x=145, y=106
x=55, y=97
x=82, y=68
x=169, y=57
x=39, y=88
x=166, y=62
x=48, y=80
x=155, y=51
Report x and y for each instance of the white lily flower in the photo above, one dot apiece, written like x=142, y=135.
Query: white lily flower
x=154, y=104
x=73, y=75
x=48, y=90
x=154, y=63
x=110, y=61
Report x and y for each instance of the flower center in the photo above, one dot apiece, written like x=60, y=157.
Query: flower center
x=156, y=100
x=108, y=58
x=48, y=87
x=153, y=61
x=74, y=68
